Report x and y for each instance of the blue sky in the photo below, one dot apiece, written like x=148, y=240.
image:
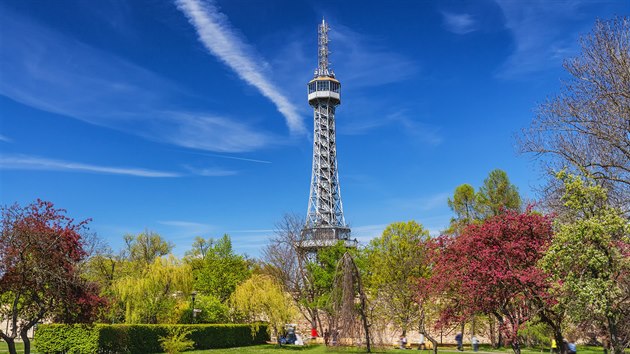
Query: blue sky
x=190, y=118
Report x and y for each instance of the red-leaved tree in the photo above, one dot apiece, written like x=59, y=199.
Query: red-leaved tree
x=491, y=268
x=40, y=249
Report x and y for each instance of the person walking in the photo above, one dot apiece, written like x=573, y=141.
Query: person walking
x=459, y=338
x=403, y=341
x=475, y=343
x=421, y=344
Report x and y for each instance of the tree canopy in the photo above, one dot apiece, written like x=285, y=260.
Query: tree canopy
x=585, y=126
x=40, y=250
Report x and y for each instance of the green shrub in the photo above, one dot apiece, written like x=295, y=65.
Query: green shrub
x=176, y=341
x=139, y=339
x=70, y=339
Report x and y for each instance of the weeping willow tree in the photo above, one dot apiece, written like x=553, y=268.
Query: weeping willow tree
x=148, y=294
x=349, y=305
x=261, y=298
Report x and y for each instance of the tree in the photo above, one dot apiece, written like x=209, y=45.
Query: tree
x=322, y=271
x=146, y=247
x=262, y=299
x=196, y=256
x=589, y=260
x=40, y=249
x=346, y=289
x=464, y=205
x=150, y=295
x=492, y=269
x=585, y=127
x=497, y=195
x=222, y=270
x=397, y=261
x=285, y=264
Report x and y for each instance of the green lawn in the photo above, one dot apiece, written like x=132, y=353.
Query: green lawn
x=320, y=349
x=19, y=346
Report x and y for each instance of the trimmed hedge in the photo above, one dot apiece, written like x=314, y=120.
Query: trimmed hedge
x=138, y=339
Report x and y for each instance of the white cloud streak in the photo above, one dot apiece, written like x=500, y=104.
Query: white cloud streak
x=363, y=56
x=544, y=33
x=220, y=39
x=21, y=162
x=49, y=71
x=5, y=139
x=210, y=171
x=426, y=133
x=459, y=23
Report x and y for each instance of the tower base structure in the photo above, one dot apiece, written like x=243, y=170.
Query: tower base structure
x=316, y=238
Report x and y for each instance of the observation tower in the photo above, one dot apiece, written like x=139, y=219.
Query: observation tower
x=325, y=224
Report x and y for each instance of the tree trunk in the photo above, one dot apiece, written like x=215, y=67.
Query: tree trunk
x=26, y=341
x=615, y=343
x=10, y=342
x=461, y=330
x=516, y=348
x=11, y=345
x=366, y=326
x=499, y=331
x=423, y=331
x=557, y=335
x=492, y=330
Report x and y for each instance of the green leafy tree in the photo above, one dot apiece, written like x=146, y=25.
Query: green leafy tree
x=145, y=247
x=397, y=261
x=496, y=195
x=464, y=205
x=196, y=256
x=150, y=296
x=261, y=298
x=222, y=270
x=212, y=310
x=589, y=258
x=322, y=272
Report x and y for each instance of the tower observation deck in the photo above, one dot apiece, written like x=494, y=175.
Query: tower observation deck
x=325, y=224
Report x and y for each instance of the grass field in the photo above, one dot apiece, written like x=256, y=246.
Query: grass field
x=18, y=345
x=320, y=349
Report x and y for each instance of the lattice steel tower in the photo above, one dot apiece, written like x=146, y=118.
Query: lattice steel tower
x=325, y=224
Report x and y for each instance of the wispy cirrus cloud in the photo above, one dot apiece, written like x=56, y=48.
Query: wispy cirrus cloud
x=210, y=171
x=459, y=23
x=182, y=228
x=363, y=57
x=365, y=233
x=423, y=203
x=24, y=162
x=545, y=32
x=426, y=133
x=221, y=40
x=5, y=139
x=44, y=69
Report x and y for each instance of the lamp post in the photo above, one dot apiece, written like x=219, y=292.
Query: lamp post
x=194, y=313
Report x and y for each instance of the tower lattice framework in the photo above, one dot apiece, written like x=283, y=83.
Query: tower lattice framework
x=325, y=224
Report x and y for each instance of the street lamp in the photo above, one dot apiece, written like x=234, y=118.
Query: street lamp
x=194, y=313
